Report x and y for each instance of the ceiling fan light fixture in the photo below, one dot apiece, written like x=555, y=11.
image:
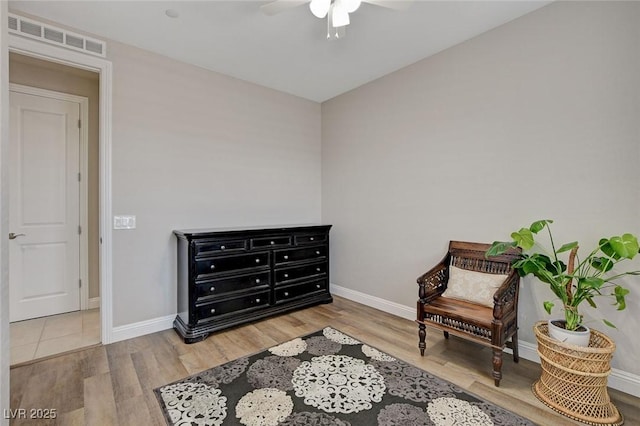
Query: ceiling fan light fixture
x=351, y=5
x=320, y=8
x=339, y=14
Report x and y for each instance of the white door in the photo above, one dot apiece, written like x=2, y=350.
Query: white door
x=44, y=241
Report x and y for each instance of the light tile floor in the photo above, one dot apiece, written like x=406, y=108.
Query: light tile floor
x=41, y=337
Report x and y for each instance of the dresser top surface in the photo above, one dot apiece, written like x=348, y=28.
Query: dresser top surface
x=187, y=233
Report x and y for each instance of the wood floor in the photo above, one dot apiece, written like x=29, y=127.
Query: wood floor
x=112, y=384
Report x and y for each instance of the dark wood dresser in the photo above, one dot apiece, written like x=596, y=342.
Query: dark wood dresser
x=232, y=276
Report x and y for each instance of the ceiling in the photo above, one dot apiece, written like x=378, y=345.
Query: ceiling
x=289, y=51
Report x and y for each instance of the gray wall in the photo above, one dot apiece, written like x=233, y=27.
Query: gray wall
x=192, y=149
x=536, y=119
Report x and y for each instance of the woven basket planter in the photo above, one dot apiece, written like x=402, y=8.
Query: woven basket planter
x=574, y=379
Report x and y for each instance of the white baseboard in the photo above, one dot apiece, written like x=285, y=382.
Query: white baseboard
x=141, y=328
x=619, y=379
x=375, y=302
x=94, y=303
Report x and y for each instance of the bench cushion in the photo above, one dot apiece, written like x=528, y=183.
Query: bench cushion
x=473, y=286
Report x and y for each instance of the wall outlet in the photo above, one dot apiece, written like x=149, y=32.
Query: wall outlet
x=124, y=222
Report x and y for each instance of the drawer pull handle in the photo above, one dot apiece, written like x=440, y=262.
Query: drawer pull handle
x=318, y=252
x=286, y=257
x=257, y=260
x=212, y=267
x=222, y=247
x=286, y=275
x=257, y=280
x=212, y=289
x=317, y=285
x=318, y=269
x=213, y=311
x=311, y=238
x=257, y=300
x=286, y=294
x=273, y=242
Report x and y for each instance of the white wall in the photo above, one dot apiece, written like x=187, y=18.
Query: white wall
x=536, y=119
x=192, y=149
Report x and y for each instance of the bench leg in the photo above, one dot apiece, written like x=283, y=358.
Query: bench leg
x=446, y=334
x=514, y=344
x=422, y=334
x=497, y=366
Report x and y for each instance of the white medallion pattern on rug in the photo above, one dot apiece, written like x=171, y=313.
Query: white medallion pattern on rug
x=338, y=384
x=194, y=404
x=338, y=337
x=291, y=348
x=376, y=354
x=264, y=407
x=453, y=411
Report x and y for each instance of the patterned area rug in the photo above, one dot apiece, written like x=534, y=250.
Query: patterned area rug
x=325, y=378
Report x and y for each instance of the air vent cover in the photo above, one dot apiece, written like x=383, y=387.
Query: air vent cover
x=56, y=36
x=13, y=23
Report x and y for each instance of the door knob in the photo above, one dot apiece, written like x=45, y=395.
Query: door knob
x=13, y=236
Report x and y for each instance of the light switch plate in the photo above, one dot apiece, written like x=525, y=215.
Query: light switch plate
x=124, y=222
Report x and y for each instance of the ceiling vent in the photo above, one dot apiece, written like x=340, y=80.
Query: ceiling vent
x=56, y=36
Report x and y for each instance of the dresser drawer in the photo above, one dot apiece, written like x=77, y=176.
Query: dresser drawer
x=222, y=286
x=211, y=311
x=310, y=239
x=296, y=255
x=216, y=265
x=285, y=294
x=271, y=242
x=300, y=272
x=207, y=248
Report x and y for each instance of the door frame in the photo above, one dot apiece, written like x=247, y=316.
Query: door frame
x=84, y=173
x=103, y=67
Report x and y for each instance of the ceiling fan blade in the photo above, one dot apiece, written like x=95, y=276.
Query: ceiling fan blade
x=278, y=6
x=391, y=4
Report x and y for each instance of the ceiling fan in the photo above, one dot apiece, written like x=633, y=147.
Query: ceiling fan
x=336, y=11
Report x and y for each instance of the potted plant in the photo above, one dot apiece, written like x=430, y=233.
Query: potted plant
x=572, y=283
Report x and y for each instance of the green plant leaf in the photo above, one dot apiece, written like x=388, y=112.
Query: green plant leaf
x=498, y=248
x=545, y=262
x=527, y=265
x=603, y=264
x=548, y=306
x=538, y=265
x=523, y=238
x=610, y=324
x=573, y=319
x=620, y=293
x=625, y=246
x=539, y=225
x=591, y=302
x=591, y=282
x=567, y=247
x=606, y=248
